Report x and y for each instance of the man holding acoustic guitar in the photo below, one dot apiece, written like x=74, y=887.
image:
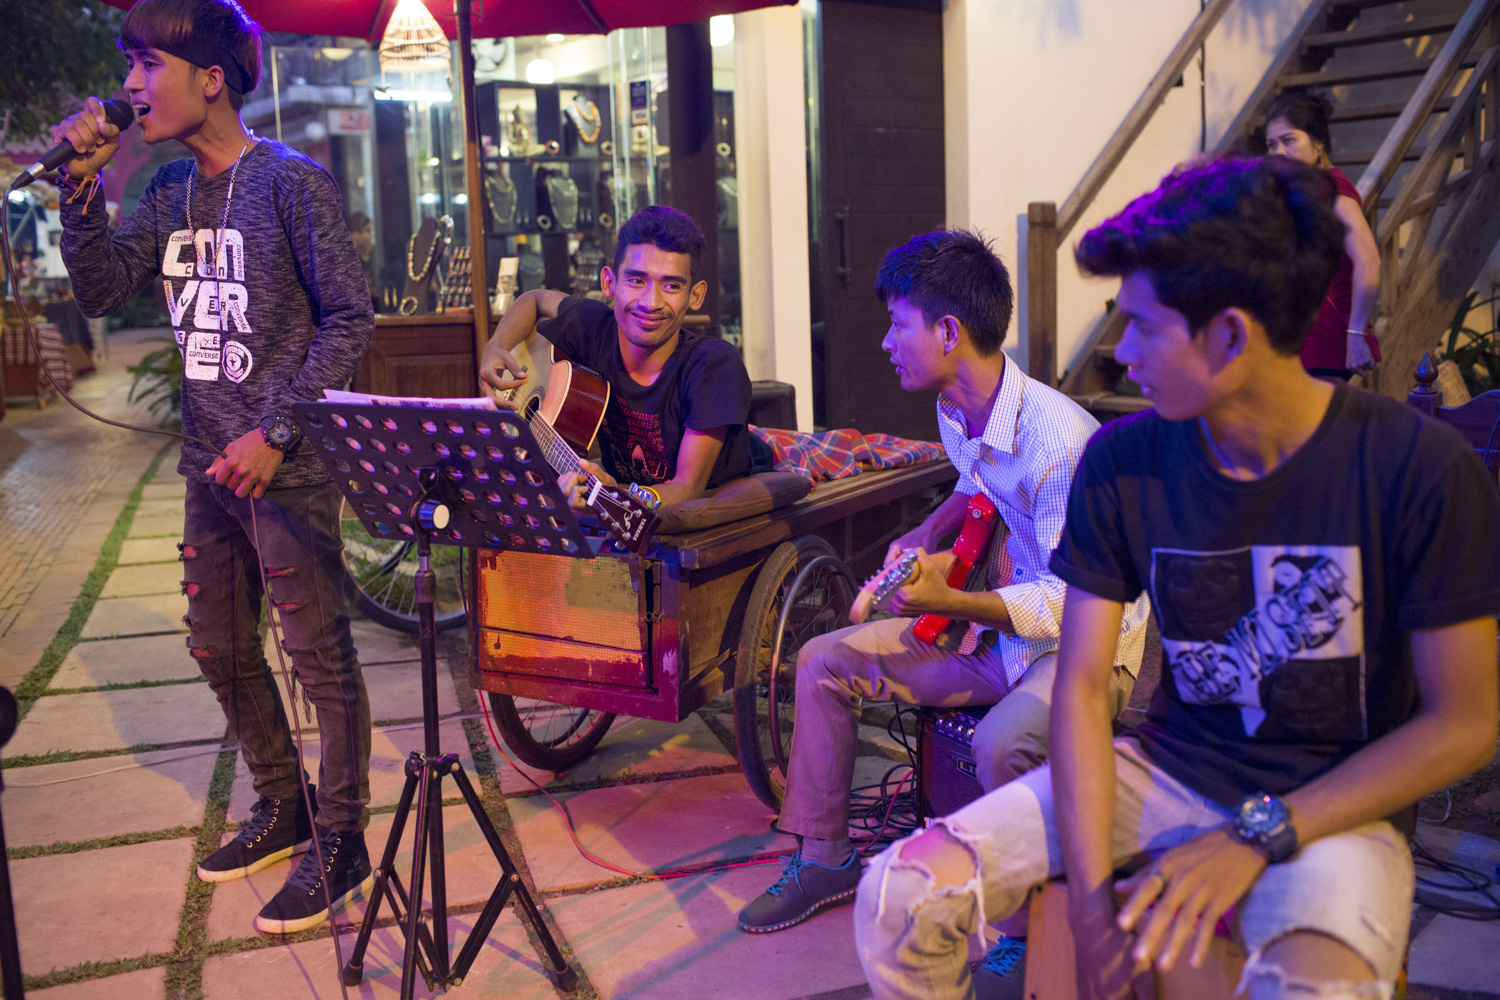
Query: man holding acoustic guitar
x=674, y=417
x=1015, y=443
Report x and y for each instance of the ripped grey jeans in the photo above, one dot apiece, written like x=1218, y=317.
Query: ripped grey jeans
x=1355, y=887
x=302, y=549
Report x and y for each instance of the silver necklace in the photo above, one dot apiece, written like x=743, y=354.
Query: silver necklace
x=218, y=263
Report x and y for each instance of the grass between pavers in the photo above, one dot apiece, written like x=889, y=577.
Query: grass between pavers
x=37, y=678
x=185, y=967
x=118, y=840
x=64, y=756
x=124, y=686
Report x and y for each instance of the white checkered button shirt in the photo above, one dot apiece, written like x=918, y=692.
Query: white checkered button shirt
x=1024, y=462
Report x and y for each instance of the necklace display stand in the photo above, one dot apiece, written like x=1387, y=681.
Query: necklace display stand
x=474, y=478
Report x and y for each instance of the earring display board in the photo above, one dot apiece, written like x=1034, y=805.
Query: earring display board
x=490, y=471
x=548, y=175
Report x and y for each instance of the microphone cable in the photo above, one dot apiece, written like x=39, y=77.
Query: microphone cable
x=272, y=612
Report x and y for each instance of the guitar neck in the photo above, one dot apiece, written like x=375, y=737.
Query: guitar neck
x=559, y=454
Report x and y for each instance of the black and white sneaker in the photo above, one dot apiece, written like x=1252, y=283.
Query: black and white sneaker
x=301, y=903
x=276, y=829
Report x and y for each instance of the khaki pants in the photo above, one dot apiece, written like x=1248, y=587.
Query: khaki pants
x=882, y=661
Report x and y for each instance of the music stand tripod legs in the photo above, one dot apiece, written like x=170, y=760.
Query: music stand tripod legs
x=426, y=950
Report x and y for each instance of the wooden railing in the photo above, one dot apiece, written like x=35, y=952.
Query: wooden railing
x=1441, y=223
x=1048, y=226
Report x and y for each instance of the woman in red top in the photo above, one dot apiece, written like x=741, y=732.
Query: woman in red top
x=1339, y=344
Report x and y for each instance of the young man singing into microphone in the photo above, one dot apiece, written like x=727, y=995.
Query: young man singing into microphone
x=269, y=306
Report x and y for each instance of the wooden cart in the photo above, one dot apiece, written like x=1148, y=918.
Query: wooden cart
x=563, y=645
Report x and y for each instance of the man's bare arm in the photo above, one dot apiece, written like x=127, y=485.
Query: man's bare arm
x=518, y=323
x=696, y=456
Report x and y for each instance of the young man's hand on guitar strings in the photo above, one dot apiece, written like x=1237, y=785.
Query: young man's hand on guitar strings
x=925, y=590
x=576, y=486
x=499, y=369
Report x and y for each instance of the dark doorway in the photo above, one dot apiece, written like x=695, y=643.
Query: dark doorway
x=880, y=176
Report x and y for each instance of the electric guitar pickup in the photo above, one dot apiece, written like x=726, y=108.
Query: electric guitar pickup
x=979, y=523
x=565, y=421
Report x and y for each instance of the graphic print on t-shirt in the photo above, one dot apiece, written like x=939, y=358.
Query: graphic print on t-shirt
x=1277, y=631
x=636, y=444
x=211, y=301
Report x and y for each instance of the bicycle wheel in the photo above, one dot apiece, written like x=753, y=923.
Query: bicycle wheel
x=803, y=590
x=545, y=735
x=382, y=572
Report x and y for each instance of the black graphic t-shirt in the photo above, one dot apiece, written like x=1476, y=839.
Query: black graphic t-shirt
x=1284, y=603
x=702, y=386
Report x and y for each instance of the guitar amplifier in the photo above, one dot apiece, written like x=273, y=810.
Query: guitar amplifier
x=946, y=777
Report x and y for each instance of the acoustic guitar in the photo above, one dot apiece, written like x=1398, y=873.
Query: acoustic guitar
x=979, y=523
x=565, y=418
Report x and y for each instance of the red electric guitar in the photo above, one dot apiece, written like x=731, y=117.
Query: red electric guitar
x=979, y=523
x=565, y=417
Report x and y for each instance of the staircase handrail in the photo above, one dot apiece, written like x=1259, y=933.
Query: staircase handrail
x=1419, y=108
x=1135, y=122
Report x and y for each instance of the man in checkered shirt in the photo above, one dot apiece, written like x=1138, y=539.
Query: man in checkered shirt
x=1017, y=441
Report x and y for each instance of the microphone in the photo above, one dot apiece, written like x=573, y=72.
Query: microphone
x=119, y=113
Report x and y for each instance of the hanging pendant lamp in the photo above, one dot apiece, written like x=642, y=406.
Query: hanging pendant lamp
x=413, y=41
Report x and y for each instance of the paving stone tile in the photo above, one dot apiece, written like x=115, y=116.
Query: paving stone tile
x=139, y=581
x=158, y=506
x=173, y=489
x=143, y=984
x=121, y=616
x=471, y=869
x=395, y=691
x=506, y=967
x=656, y=825
x=138, y=551
x=119, y=798
x=124, y=661
x=160, y=523
x=114, y=720
x=632, y=747
x=1456, y=954
x=101, y=905
x=389, y=748
x=678, y=940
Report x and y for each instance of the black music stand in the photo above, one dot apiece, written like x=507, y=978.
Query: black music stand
x=475, y=478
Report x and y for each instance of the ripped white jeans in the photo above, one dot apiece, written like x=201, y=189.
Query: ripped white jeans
x=913, y=942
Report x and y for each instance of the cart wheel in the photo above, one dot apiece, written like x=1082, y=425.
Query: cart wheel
x=551, y=737
x=803, y=590
x=383, y=571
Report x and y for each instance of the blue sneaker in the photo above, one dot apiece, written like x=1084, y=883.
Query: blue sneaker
x=804, y=890
x=1002, y=974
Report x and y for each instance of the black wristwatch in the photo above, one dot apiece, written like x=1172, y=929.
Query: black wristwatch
x=280, y=432
x=1265, y=820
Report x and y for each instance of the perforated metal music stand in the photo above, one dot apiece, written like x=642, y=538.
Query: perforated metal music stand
x=474, y=478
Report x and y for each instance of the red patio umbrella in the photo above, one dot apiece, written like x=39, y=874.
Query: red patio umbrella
x=488, y=18
x=465, y=20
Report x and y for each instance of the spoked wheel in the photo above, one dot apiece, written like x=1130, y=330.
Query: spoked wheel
x=549, y=736
x=803, y=590
x=383, y=573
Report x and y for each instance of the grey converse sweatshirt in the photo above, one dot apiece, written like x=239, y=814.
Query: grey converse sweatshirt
x=288, y=316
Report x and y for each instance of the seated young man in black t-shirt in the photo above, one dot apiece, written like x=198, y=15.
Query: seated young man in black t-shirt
x=1325, y=569
x=679, y=406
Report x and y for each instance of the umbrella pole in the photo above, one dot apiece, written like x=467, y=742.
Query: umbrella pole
x=473, y=182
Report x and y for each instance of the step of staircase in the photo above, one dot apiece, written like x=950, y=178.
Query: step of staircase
x=1343, y=158
x=1366, y=112
x=1363, y=74
x=1414, y=28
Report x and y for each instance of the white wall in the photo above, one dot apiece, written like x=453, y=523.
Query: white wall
x=771, y=168
x=1035, y=88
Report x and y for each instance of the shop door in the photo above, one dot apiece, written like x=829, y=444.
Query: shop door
x=881, y=182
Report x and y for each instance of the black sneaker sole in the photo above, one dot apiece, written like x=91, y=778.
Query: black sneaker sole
x=270, y=925
x=261, y=864
x=829, y=903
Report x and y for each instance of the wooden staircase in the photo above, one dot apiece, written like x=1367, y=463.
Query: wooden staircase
x=1414, y=125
